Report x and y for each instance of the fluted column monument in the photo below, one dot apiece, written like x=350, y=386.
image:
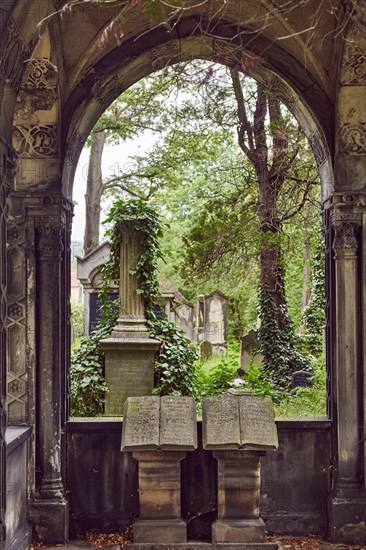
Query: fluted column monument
x=130, y=351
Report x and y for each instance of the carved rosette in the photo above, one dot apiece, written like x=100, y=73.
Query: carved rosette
x=345, y=237
x=49, y=240
x=352, y=138
x=165, y=55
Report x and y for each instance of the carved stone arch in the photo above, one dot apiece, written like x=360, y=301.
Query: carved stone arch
x=351, y=112
x=98, y=92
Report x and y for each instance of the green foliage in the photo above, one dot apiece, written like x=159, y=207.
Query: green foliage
x=215, y=376
x=77, y=317
x=257, y=380
x=87, y=381
x=174, y=364
x=308, y=402
x=314, y=314
x=281, y=358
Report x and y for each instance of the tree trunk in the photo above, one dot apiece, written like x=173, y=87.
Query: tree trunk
x=94, y=190
x=306, y=290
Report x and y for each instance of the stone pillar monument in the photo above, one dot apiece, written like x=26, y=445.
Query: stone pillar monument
x=129, y=351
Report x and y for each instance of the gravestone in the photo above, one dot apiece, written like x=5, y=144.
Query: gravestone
x=89, y=273
x=239, y=430
x=249, y=345
x=95, y=309
x=205, y=350
x=129, y=351
x=184, y=319
x=212, y=319
x=159, y=431
x=301, y=379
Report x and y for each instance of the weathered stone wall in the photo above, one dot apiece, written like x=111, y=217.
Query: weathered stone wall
x=103, y=481
x=18, y=531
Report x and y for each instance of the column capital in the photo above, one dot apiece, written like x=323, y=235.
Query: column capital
x=49, y=237
x=345, y=237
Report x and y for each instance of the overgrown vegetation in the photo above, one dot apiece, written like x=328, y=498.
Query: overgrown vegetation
x=231, y=171
x=175, y=360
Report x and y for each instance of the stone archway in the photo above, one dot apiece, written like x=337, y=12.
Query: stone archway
x=91, y=71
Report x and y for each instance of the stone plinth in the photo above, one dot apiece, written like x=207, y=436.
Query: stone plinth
x=129, y=370
x=239, y=429
x=159, y=431
x=238, y=498
x=208, y=546
x=159, y=495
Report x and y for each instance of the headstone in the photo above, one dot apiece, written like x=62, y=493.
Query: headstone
x=89, y=273
x=249, y=345
x=205, y=350
x=212, y=318
x=129, y=351
x=95, y=309
x=159, y=431
x=301, y=379
x=184, y=319
x=239, y=430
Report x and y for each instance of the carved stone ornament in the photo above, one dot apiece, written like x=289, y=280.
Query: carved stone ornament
x=164, y=55
x=111, y=89
x=345, y=237
x=40, y=73
x=354, y=66
x=13, y=55
x=318, y=147
x=352, y=138
x=40, y=140
x=49, y=239
x=283, y=92
x=357, y=10
x=226, y=52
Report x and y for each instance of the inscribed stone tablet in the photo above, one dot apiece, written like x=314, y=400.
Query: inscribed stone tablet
x=301, y=379
x=141, y=424
x=257, y=426
x=178, y=423
x=220, y=421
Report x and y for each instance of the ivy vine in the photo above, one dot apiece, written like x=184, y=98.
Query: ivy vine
x=174, y=363
x=281, y=358
x=175, y=359
x=314, y=314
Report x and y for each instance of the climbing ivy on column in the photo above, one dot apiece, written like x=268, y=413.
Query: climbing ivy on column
x=174, y=364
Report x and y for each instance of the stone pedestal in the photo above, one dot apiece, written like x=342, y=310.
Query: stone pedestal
x=129, y=352
x=238, y=498
x=51, y=519
x=160, y=496
x=129, y=370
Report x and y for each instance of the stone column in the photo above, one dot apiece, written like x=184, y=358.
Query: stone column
x=238, y=498
x=347, y=504
x=6, y=175
x=129, y=352
x=49, y=510
x=132, y=305
x=159, y=497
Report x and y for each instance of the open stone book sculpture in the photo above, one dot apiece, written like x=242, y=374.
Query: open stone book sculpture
x=159, y=423
x=239, y=422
